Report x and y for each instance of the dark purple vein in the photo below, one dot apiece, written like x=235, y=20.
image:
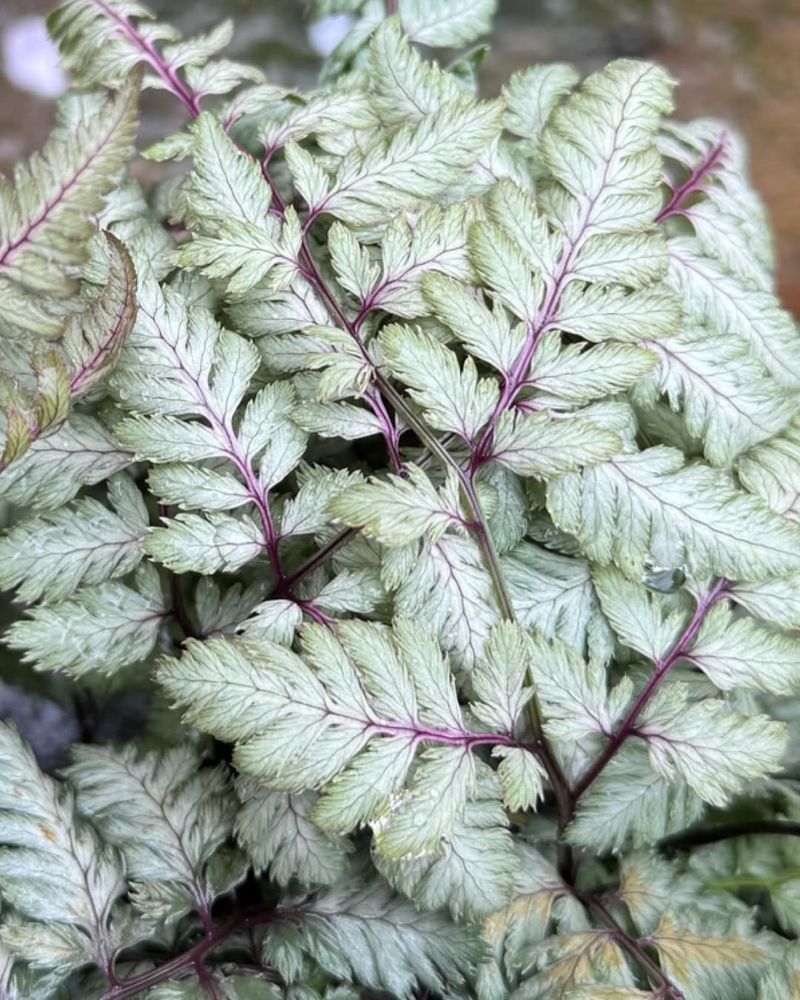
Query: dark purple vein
x=226, y=435
x=66, y=187
x=173, y=82
x=542, y=322
x=696, y=180
x=662, y=668
x=125, y=316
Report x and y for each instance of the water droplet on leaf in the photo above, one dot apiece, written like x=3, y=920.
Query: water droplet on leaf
x=664, y=579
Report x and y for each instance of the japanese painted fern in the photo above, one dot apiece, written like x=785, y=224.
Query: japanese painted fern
x=431, y=465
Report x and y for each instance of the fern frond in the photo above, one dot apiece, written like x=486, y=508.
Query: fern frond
x=47, y=214
x=55, y=870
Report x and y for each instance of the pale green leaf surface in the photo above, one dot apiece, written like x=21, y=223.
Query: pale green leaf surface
x=54, y=867
x=164, y=813
x=636, y=614
x=473, y=871
x=418, y=163
x=449, y=592
x=714, y=750
x=486, y=333
x=631, y=804
x=738, y=652
x=543, y=446
x=50, y=555
x=443, y=24
x=103, y=628
x=406, y=87
x=211, y=543
x=365, y=933
x=725, y=395
x=718, y=299
x=574, y=374
x=81, y=452
x=394, y=510
x=648, y=505
x=451, y=396
x=47, y=215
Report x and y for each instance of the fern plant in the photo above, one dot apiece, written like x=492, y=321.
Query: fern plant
x=431, y=466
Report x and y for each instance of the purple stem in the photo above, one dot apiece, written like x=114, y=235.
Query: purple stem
x=191, y=102
x=666, y=990
x=226, y=435
x=171, y=80
x=311, y=273
x=284, y=588
x=314, y=613
x=515, y=380
x=662, y=669
x=695, y=181
x=194, y=956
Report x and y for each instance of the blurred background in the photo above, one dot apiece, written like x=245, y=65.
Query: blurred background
x=735, y=59
x=738, y=60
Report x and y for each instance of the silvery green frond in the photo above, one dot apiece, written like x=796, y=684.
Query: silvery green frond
x=511, y=930
x=637, y=615
x=47, y=214
x=579, y=709
x=773, y=601
x=452, y=397
x=650, y=505
x=367, y=935
x=540, y=447
x=102, y=42
x=725, y=394
x=729, y=220
x=397, y=510
x=472, y=872
x=443, y=24
x=365, y=701
x=778, y=983
x=630, y=804
x=531, y=96
x=55, y=870
x=708, y=746
x=441, y=454
x=36, y=396
x=418, y=163
x=85, y=543
x=165, y=813
x=280, y=836
x=447, y=590
x=569, y=375
x=770, y=470
x=555, y=594
x=407, y=87
x=102, y=628
x=717, y=299
x=564, y=963
x=210, y=543
x=82, y=452
x=738, y=652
